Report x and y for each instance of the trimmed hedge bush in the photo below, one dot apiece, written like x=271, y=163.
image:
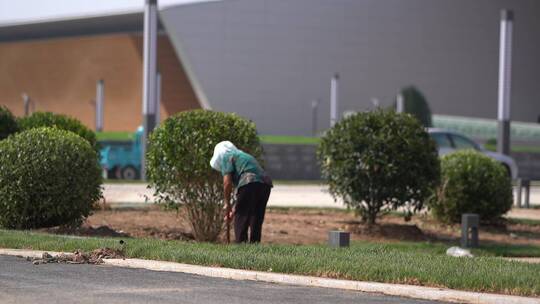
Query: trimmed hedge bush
x=178, y=164
x=379, y=161
x=48, y=177
x=8, y=123
x=60, y=121
x=471, y=183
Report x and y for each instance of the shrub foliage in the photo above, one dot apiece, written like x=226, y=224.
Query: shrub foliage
x=60, y=121
x=48, y=177
x=8, y=123
x=179, y=170
x=379, y=161
x=471, y=183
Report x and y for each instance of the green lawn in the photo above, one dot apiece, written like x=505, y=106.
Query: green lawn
x=507, y=250
x=295, y=140
x=412, y=263
x=523, y=149
x=268, y=139
x=284, y=139
x=529, y=222
x=116, y=136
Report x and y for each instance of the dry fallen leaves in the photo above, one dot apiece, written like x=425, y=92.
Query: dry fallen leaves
x=79, y=257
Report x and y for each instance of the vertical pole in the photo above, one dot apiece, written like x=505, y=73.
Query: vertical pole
x=334, y=99
x=400, y=103
x=518, y=194
x=314, y=115
x=149, y=77
x=505, y=77
x=100, y=99
x=158, y=99
x=26, y=102
x=527, y=186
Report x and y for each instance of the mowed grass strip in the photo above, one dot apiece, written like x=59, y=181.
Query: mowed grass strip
x=270, y=139
x=514, y=148
x=392, y=263
x=287, y=139
x=290, y=140
x=508, y=250
x=115, y=135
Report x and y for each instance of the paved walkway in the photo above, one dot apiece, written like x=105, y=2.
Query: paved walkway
x=282, y=196
x=530, y=214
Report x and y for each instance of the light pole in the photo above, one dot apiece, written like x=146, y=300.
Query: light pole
x=334, y=99
x=100, y=100
x=26, y=102
x=314, y=115
x=400, y=103
x=158, y=99
x=149, y=77
x=505, y=77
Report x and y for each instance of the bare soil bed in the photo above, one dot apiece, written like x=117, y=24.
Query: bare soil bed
x=299, y=226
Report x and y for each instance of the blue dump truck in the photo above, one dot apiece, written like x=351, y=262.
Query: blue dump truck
x=122, y=159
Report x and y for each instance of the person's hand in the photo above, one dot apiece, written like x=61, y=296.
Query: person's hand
x=229, y=212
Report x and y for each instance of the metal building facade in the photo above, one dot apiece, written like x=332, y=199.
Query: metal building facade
x=269, y=59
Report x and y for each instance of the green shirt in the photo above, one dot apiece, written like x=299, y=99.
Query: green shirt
x=244, y=169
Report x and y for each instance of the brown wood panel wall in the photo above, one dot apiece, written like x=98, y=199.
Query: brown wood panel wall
x=61, y=75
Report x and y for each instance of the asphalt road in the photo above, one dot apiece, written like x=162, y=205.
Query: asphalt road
x=21, y=282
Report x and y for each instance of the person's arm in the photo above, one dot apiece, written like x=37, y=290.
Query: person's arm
x=227, y=191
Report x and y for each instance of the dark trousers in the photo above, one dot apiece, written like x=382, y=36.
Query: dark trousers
x=251, y=202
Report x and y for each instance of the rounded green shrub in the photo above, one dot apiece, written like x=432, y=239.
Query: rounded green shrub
x=60, y=121
x=178, y=166
x=471, y=183
x=8, y=123
x=48, y=177
x=379, y=161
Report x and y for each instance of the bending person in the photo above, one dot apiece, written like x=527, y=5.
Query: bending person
x=242, y=171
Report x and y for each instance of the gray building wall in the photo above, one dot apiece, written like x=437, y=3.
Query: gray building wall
x=268, y=59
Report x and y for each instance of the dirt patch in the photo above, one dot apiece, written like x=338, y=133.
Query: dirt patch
x=301, y=226
x=79, y=257
x=151, y=222
x=388, y=231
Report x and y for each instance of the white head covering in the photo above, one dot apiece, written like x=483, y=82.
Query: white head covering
x=220, y=149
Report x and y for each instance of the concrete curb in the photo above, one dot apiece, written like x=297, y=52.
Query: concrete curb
x=410, y=291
